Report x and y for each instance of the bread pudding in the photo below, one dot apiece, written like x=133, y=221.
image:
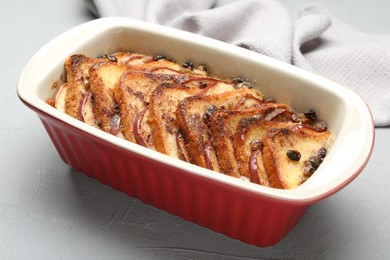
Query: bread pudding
x=222, y=124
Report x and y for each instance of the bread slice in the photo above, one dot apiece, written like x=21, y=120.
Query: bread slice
x=103, y=77
x=193, y=115
x=77, y=74
x=131, y=93
x=163, y=104
x=292, y=154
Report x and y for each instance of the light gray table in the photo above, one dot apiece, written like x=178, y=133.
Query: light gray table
x=49, y=211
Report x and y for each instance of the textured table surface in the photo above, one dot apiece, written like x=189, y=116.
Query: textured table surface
x=49, y=211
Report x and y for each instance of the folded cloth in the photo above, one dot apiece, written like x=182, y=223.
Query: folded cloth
x=316, y=41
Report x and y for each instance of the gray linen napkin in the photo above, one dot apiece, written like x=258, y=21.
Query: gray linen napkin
x=316, y=41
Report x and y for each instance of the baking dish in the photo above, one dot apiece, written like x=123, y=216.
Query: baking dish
x=245, y=211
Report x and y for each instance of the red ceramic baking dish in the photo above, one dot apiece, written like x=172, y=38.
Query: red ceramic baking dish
x=239, y=209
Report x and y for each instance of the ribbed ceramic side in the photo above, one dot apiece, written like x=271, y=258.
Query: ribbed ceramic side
x=220, y=207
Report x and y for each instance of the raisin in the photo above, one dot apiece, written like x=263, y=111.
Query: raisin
x=159, y=57
x=284, y=131
x=293, y=155
x=322, y=152
x=308, y=168
x=112, y=58
x=315, y=161
x=202, y=85
x=238, y=80
x=208, y=113
x=241, y=83
x=188, y=65
x=311, y=115
x=109, y=57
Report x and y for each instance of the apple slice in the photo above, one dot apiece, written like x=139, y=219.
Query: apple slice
x=137, y=128
x=86, y=96
x=85, y=113
x=57, y=100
